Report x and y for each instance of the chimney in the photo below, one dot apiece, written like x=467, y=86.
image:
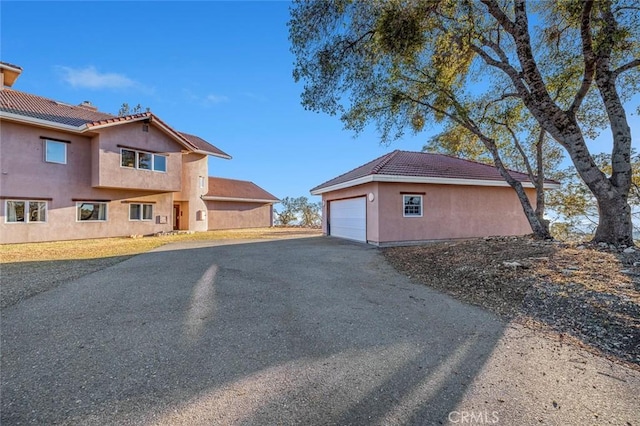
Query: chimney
x=88, y=105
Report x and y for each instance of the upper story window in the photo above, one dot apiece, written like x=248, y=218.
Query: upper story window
x=91, y=211
x=201, y=181
x=25, y=211
x=412, y=205
x=143, y=160
x=55, y=152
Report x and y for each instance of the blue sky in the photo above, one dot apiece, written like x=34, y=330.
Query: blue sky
x=220, y=70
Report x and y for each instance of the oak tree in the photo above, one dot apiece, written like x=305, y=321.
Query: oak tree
x=404, y=64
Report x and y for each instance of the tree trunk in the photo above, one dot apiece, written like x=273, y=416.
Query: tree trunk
x=539, y=226
x=614, y=211
x=614, y=220
x=541, y=202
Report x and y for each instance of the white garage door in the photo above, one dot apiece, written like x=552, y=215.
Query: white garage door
x=348, y=219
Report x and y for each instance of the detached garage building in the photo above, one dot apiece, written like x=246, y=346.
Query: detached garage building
x=405, y=197
x=236, y=204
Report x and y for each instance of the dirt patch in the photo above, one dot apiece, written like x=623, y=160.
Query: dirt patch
x=586, y=294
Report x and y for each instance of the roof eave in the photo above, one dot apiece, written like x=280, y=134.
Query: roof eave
x=238, y=199
x=214, y=154
x=115, y=123
x=156, y=121
x=41, y=123
x=422, y=179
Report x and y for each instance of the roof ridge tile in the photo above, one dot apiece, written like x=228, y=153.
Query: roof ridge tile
x=378, y=167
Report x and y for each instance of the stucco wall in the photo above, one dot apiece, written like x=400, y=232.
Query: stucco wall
x=193, y=166
x=110, y=172
x=449, y=211
x=25, y=175
x=238, y=215
x=61, y=223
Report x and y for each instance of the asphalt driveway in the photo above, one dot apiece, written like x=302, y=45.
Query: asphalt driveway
x=299, y=331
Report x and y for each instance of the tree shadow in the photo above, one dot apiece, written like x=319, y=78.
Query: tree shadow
x=311, y=330
x=22, y=280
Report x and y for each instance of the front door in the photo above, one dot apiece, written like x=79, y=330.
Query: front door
x=176, y=216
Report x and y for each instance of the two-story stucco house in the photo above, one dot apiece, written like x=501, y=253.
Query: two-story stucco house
x=72, y=172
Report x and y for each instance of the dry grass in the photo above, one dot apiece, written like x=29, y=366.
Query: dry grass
x=125, y=246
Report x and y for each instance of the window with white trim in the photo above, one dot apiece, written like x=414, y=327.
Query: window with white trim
x=25, y=211
x=89, y=211
x=140, y=211
x=143, y=160
x=55, y=152
x=412, y=205
x=201, y=181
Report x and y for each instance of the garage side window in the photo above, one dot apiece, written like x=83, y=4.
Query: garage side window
x=412, y=205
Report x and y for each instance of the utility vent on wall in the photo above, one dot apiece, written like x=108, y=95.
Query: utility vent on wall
x=201, y=215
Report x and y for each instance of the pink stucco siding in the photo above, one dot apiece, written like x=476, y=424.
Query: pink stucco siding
x=26, y=176
x=108, y=171
x=449, y=211
x=238, y=215
x=194, y=209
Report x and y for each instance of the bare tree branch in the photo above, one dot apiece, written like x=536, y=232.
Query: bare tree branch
x=518, y=145
x=502, y=18
x=626, y=67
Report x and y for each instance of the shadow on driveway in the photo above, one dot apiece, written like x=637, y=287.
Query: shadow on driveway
x=299, y=331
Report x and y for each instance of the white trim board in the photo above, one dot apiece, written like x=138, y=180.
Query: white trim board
x=423, y=179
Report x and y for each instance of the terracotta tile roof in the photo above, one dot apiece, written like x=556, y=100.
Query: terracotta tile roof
x=427, y=165
x=237, y=189
x=25, y=104
x=28, y=105
x=203, y=145
x=119, y=119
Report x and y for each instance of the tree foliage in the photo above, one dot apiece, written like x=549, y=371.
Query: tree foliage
x=125, y=109
x=310, y=213
x=402, y=65
x=299, y=211
x=286, y=215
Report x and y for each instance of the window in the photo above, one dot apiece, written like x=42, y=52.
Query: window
x=89, y=212
x=201, y=181
x=26, y=211
x=143, y=160
x=412, y=205
x=159, y=163
x=140, y=211
x=128, y=158
x=55, y=152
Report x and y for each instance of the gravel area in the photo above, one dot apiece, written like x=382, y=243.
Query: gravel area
x=21, y=280
x=585, y=294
